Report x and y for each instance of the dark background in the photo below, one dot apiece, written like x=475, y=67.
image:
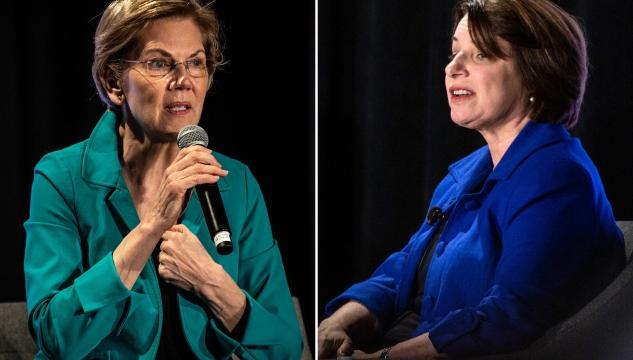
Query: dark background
x=385, y=136
x=260, y=111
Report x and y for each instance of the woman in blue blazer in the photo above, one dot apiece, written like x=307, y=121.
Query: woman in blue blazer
x=119, y=263
x=520, y=233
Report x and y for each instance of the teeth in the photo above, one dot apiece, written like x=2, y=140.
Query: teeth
x=178, y=108
x=461, y=92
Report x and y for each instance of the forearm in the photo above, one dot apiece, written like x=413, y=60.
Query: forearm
x=356, y=321
x=224, y=297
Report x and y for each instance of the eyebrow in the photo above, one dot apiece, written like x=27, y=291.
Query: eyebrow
x=167, y=54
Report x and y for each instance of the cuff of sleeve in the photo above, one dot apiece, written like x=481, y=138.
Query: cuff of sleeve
x=373, y=298
x=100, y=286
x=259, y=319
x=449, y=334
x=277, y=332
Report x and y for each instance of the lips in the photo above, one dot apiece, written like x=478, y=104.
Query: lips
x=178, y=108
x=457, y=93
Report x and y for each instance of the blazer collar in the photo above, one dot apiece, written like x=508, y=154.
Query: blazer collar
x=532, y=137
x=100, y=163
x=471, y=170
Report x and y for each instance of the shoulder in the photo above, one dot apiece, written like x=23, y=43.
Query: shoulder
x=565, y=162
x=557, y=176
x=62, y=162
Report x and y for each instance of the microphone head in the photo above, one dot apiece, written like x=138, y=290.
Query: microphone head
x=192, y=135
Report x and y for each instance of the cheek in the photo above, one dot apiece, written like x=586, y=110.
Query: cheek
x=496, y=89
x=141, y=88
x=144, y=96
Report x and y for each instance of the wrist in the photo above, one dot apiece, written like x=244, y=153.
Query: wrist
x=150, y=230
x=384, y=354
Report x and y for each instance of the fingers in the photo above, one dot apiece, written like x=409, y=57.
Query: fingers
x=194, y=166
x=179, y=240
x=197, y=154
x=334, y=342
x=180, y=228
x=346, y=349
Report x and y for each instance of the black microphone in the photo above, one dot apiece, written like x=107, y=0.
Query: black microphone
x=209, y=194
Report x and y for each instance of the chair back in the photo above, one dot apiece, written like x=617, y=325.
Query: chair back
x=603, y=329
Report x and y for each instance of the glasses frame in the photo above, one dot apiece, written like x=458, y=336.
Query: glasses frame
x=210, y=69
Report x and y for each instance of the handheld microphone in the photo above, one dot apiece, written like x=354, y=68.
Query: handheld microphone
x=209, y=194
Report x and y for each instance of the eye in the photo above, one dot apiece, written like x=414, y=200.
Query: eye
x=158, y=64
x=481, y=56
x=452, y=56
x=198, y=63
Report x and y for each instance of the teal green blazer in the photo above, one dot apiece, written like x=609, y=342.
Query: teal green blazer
x=78, y=306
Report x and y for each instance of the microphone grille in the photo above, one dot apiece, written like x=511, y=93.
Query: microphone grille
x=192, y=135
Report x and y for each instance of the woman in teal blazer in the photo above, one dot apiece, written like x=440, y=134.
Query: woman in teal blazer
x=119, y=263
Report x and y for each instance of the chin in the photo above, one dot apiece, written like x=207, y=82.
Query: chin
x=458, y=119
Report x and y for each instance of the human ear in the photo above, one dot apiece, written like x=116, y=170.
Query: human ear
x=113, y=87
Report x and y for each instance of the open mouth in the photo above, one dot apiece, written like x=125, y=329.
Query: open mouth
x=178, y=108
x=461, y=92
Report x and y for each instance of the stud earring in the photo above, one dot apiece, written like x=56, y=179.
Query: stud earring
x=531, y=99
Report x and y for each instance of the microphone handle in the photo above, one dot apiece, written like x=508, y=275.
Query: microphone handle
x=214, y=214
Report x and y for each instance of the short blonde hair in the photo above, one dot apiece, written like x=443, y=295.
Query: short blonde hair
x=122, y=25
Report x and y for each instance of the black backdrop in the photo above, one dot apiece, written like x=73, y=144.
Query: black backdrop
x=260, y=111
x=386, y=138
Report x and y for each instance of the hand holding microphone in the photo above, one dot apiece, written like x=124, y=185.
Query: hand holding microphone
x=209, y=194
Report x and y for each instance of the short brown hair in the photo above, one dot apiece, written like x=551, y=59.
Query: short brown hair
x=122, y=25
x=548, y=45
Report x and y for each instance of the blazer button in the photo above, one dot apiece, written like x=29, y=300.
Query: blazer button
x=472, y=205
x=440, y=248
x=468, y=318
x=427, y=304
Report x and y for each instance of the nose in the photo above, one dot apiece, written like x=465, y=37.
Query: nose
x=456, y=67
x=180, y=78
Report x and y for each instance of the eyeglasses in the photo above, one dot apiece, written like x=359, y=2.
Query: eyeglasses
x=160, y=67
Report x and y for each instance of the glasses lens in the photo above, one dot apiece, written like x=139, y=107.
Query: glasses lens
x=197, y=67
x=158, y=67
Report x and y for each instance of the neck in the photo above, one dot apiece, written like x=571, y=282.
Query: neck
x=143, y=161
x=500, y=138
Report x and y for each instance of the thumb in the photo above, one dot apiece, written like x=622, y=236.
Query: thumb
x=346, y=348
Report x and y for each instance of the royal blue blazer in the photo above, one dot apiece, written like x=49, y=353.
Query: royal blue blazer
x=532, y=246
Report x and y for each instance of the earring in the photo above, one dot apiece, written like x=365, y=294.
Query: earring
x=531, y=99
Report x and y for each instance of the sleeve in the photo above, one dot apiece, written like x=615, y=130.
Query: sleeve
x=378, y=293
x=550, y=233
x=68, y=314
x=272, y=328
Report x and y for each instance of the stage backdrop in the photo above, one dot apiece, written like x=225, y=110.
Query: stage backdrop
x=260, y=111
x=386, y=138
